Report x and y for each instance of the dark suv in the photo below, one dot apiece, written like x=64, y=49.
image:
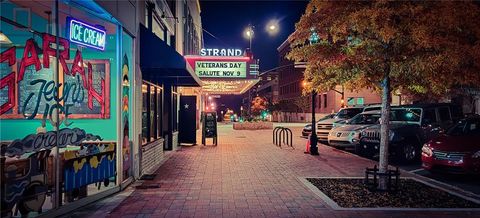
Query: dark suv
x=410, y=127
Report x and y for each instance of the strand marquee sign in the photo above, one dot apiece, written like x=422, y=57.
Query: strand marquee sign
x=224, y=71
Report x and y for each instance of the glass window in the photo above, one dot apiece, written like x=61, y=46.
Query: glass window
x=466, y=127
x=361, y=119
x=408, y=114
x=444, y=114
x=360, y=101
x=348, y=113
x=324, y=100
x=159, y=113
x=144, y=114
x=175, y=112
x=88, y=92
x=350, y=101
x=152, y=109
x=429, y=116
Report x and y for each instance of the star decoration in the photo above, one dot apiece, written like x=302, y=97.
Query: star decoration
x=186, y=106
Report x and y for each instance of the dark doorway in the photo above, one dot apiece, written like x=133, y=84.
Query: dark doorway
x=187, y=132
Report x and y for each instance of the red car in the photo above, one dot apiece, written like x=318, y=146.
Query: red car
x=457, y=151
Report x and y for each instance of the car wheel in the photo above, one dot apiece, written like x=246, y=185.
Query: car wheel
x=363, y=152
x=409, y=153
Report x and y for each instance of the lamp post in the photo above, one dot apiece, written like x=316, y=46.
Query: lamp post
x=249, y=34
x=313, y=137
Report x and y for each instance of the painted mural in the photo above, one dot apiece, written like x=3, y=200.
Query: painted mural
x=32, y=91
x=126, y=147
x=93, y=163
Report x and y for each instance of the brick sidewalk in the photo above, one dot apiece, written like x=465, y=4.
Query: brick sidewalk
x=247, y=176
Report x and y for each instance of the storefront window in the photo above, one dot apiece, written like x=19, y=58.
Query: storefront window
x=151, y=116
x=159, y=113
x=127, y=73
x=153, y=111
x=145, y=118
x=88, y=72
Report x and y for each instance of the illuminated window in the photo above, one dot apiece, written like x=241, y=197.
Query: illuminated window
x=360, y=101
x=324, y=100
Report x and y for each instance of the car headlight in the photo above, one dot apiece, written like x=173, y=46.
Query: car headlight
x=308, y=128
x=427, y=151
x=476, y=155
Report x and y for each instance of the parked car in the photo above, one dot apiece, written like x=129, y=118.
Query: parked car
x=348, y=135
x=307, y=129
x=411, y=126
x=456, y=151
x=373, y=107
x=324, y=126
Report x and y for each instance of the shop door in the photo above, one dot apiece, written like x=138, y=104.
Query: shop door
x=187, y=132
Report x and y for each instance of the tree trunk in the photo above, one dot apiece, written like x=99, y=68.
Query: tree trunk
x=384, y=129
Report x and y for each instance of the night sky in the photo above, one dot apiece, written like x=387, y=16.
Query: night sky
x=227, y=21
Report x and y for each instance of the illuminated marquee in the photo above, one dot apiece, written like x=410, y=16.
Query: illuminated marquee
x=85, y=34
x=228, y=86
x=221, y=69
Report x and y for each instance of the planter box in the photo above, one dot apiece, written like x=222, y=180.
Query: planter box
x=252, y=125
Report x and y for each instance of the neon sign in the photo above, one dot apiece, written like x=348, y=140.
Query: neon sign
x=85, y=34
x=220, y=52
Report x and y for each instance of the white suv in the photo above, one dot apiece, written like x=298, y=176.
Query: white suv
x=324, y=126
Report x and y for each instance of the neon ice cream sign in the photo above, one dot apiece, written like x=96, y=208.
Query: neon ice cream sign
x=85, y=34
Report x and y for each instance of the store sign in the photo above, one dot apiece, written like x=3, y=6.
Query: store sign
x=85, y=34
x=220, y=52
x=48, y=140
x=221, y=69
x=30, y=92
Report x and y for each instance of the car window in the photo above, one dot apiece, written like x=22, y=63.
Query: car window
x=406, y=114
x=371, y=109
x=444, y=114
x=361, y=119
x=465, y=127
x=348, y=113
x=429, y=116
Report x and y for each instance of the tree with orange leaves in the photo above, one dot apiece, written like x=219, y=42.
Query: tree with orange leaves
x=259, y=104
x=425, y=47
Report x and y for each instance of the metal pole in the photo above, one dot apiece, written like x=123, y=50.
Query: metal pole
x=250, y=38
x=313, y=136
x=57, y=202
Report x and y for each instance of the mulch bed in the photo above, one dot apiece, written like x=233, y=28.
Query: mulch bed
x=352, y=193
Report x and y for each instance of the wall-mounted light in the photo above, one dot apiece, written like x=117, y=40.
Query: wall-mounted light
x=4, y=40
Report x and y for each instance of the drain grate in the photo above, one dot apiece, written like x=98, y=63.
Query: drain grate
x=241, y=137
x=147, y=186
x=148, y=176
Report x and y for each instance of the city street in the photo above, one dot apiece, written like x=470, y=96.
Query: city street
x=246, y=176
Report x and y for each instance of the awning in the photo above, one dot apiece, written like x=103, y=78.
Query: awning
x=161, y=63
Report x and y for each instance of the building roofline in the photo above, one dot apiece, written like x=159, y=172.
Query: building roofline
x=284, y=44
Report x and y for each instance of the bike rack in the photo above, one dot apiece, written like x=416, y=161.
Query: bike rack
x=281, y=135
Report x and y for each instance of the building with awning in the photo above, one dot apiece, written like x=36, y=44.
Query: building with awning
x=161, y=63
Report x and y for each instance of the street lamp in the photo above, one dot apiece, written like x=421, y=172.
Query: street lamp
x=249, y=34
x=313, y=137
x=272, y=27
